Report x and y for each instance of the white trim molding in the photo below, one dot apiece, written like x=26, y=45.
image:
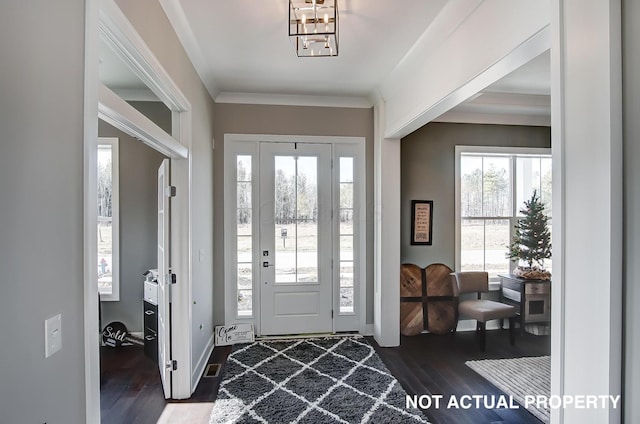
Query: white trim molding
x=90, y=220
x=422, y=87
x=294, y=100
x=387, y=180
x=119, y=34
x=120, y=114
x=586, y=135
x=199, y=367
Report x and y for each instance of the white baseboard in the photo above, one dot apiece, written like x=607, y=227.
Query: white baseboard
x=368, y=330
x=202, y=363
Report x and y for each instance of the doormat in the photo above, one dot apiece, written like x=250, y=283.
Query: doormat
x=322, y=380
x=519, y=377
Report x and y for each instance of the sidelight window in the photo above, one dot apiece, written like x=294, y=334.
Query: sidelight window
x=244, y=231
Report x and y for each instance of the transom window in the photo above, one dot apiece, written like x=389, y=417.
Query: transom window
x=492, y=185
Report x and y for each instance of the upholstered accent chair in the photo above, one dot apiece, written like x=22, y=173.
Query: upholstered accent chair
x=480, y=309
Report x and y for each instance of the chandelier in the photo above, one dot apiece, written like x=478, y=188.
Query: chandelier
x=313, y=27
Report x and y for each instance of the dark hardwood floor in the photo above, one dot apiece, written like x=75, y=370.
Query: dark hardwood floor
x=130, y=387
x=131, y=391
x=431, y=364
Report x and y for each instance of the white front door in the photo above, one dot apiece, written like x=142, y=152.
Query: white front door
x=295, y=238
x=164, y=286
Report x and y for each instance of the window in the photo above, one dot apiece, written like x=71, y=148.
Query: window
x=346, y=235
x=491, y=187
x=296, y=219
x=244, y=231
x=108, y=220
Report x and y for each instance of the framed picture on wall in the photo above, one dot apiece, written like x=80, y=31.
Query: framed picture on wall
x=421, y=222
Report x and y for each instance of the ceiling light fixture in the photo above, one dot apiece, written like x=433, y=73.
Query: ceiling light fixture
x=313, y=27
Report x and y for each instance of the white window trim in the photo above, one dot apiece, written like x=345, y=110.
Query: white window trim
x=488, y=150
x=114, y=296
x=241, y=144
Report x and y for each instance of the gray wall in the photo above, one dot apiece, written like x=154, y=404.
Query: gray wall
x=287, y=120
x=631, y=269
x=157, y=112
x=41, y=187
x=428, y=173
x=138, y=223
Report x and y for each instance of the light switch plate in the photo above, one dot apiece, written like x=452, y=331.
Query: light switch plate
x=53, y=335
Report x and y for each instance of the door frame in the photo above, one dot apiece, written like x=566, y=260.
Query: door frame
x=104, y=20
x=250, y=144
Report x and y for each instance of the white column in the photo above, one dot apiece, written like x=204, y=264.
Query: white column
x=587, y=185
x=386, y=311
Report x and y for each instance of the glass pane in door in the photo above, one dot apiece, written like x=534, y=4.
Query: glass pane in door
x=296, y=219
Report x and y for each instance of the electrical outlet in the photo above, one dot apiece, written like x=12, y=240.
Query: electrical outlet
x=53, y=335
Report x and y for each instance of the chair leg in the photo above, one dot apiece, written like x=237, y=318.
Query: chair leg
x=512, y=331
x=483, y=336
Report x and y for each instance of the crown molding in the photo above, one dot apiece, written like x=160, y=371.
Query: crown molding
x=178, y=19
x=294, y=100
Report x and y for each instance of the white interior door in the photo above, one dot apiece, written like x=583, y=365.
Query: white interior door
x=295, y=238
x=164, y=286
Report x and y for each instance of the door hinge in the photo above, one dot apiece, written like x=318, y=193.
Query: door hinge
x=170, y=278
x=332, y=314
x=172, y=365
x=171, y=191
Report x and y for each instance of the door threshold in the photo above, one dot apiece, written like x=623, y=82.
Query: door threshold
x=307, y=336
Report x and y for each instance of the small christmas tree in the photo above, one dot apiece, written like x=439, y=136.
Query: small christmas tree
x=532, y=241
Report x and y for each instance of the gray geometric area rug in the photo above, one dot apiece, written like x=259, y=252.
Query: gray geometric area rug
x=519, y=377
x=320, y=380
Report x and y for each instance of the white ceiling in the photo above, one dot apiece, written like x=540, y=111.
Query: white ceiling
x=244, y=47
x=242, y=52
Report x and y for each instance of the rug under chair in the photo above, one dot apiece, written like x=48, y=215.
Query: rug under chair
x=322, y=380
